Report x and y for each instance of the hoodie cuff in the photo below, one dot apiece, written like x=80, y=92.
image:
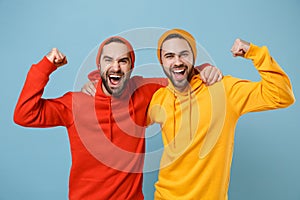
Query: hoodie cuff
x=45, y=66
x=252, y=51
x=256, y=54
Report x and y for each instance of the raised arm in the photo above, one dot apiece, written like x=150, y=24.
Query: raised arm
x=34, y=111
x=273, y=91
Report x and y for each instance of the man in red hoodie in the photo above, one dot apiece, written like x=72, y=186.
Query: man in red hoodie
x=106, y=132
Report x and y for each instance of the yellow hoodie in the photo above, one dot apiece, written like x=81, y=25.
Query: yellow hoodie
x=198, y=127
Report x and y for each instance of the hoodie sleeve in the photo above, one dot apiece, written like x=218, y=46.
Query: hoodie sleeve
x=273, y=91
x=34, y=111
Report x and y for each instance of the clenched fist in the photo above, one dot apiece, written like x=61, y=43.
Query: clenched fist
x=56, y=57
x=239, y=48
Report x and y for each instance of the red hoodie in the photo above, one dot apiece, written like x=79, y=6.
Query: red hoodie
x=106, y=134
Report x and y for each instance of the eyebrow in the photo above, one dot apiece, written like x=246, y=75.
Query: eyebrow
x=172, y=53
x=107, y=57
x=124, y=58
x=169, y=54
x=184, y=51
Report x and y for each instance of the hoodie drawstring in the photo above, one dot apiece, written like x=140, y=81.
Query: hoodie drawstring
x=189, y=113
x=174, y=118
x=131, y=105
x=109, y=121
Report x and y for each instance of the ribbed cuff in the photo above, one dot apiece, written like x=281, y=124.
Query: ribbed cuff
x=252, y=51
x=45, y=66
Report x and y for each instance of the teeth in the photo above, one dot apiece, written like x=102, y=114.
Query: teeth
x=114, y=76
x=179, y=70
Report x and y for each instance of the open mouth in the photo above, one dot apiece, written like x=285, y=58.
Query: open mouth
x=179, y=73
x=114, y=79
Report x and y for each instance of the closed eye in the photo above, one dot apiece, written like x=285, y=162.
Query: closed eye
x=184, y=53
x=169, y=55
x=107, y=59
x=124, y=61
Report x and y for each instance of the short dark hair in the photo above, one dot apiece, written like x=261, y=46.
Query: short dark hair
x=173, y=35
x=113, y=39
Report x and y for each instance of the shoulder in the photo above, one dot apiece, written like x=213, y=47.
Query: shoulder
x=139, y=80
x=161, y=95
x=229, y=80
x=146, y=86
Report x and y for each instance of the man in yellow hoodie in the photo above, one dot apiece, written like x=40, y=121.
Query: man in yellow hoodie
x=198, y=121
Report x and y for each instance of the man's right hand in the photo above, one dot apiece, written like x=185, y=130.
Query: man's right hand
x=56, y=57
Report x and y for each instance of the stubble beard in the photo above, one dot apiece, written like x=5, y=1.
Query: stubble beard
x=115, y=92
x=180, y=85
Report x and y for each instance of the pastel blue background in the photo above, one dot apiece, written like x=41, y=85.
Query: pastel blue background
x=34, y=163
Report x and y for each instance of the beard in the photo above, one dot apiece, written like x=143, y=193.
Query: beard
x=120, y=83
x=180, y=76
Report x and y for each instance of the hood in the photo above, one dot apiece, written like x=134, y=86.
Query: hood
x=94, y=75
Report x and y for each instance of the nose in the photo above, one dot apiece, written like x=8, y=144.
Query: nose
x=115, y=66
x=177, y=60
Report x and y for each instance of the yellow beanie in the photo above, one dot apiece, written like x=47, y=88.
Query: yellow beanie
x=186, y=35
